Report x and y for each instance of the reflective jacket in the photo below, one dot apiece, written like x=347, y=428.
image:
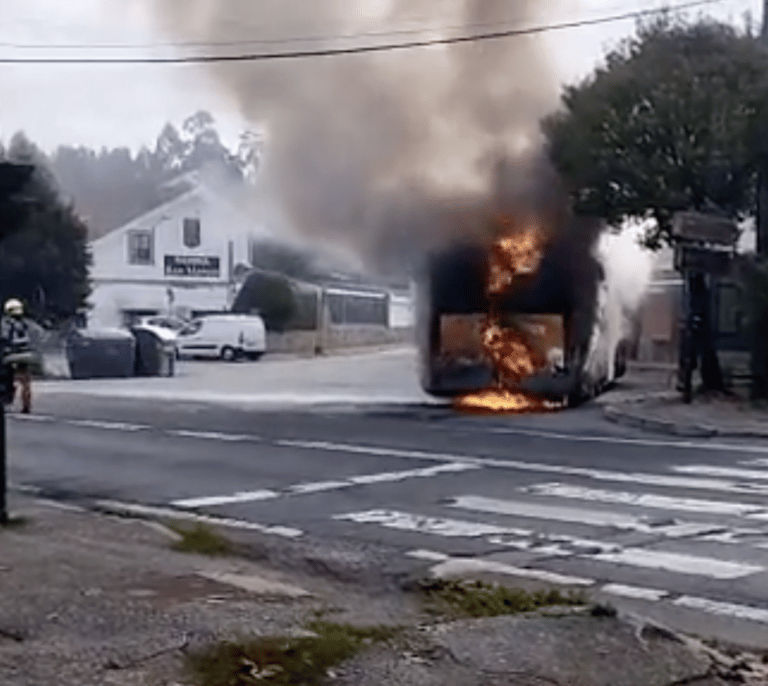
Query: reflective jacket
x=14, y=335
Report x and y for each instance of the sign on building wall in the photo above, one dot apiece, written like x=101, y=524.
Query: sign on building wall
x=192, y=265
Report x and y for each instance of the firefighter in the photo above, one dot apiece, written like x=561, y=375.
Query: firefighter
x=17, y=351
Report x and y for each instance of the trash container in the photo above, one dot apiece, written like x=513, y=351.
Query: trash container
x=101, y=353
x=155, y=351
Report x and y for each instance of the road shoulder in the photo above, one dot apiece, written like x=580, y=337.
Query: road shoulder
x=95, y=599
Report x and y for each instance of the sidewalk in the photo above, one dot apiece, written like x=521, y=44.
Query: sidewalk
x=646, y=401
x=93, y=600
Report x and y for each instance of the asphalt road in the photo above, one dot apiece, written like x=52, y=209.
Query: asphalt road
x=675, y=528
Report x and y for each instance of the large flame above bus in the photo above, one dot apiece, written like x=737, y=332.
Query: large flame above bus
x=509, y=346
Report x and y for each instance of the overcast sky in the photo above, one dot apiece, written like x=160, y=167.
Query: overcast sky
x=127, y=105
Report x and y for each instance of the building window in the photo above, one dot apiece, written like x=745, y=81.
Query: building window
x=191, y=232
x=140, y=247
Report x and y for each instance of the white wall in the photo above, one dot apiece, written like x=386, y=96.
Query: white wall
x=219, y=225
x=119, y=285
x=109, y=301
x=402, y=312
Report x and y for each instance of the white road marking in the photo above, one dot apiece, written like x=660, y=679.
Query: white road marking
x=32, y=417
x=323, y=486
x=663, y=480
x=519, y=539
x=450, y=528
x=727, y=472
x=243, y=497
x=754, y=614
x=640, y=442
x=150, y=511
x=213, y=435
x=317, y=487
x=369, y=450
x=111, y=426
x=428, y=555
x=459, y=567
x=591, y=550
x=679, y=563
x=635, y=592
x=762, y=516
x=602, y=518
x=427, y=472
x=644, y=499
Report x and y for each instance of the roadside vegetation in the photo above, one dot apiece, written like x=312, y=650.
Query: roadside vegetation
x=201, y=539
x=468, y=598
x=305, y=660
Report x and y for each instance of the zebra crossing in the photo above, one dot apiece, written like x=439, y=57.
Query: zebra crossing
x=654, y=537
x=692, y=534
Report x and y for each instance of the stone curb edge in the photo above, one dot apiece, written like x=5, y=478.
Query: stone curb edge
x=617, y=414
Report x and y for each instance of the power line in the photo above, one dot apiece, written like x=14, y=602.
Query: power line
x=267, y=41
x=359, y=49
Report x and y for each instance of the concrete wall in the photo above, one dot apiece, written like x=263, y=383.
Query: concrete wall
x=659, y=317
x=402, y=311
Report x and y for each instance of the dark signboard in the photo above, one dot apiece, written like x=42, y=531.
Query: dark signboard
x=695, y=226
x=192, y=265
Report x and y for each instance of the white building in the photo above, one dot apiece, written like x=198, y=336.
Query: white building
x=178, y=257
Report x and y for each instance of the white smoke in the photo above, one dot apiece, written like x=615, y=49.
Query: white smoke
x=627, y=271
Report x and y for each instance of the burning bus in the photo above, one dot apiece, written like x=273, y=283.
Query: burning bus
x=519, y=322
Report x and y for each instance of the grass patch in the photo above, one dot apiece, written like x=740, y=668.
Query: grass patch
x=202, y=540
x=463, y=598
x=281, y=660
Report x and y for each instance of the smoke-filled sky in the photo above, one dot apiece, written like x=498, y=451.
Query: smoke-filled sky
x=355, y=143
x=128, y=105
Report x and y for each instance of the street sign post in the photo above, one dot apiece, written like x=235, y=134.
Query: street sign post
x=704, y=246
x=13, y=178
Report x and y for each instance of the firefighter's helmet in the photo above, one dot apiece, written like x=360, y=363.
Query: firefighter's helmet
x=14, y=308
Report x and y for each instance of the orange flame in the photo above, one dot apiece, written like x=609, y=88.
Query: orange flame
x=507, y=348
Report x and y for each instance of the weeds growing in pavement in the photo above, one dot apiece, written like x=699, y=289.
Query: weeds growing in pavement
x=283, y=660
x=463, y=598
x=202, y=540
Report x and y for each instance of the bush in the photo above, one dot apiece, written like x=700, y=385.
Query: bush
x=269, y=295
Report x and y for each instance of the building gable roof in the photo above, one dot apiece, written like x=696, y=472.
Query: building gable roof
x=157, y=213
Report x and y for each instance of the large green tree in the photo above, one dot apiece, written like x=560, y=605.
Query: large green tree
x=45, y=262
x=670, y=122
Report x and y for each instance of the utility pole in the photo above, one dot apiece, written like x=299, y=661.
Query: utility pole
x=762, y=176
x=13, y=178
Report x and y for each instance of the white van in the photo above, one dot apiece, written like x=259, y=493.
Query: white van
x=227, y=337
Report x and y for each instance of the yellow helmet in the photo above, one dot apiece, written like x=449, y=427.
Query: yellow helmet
x=14, y=308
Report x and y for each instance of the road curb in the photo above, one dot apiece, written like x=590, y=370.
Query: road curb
x=621, y=414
